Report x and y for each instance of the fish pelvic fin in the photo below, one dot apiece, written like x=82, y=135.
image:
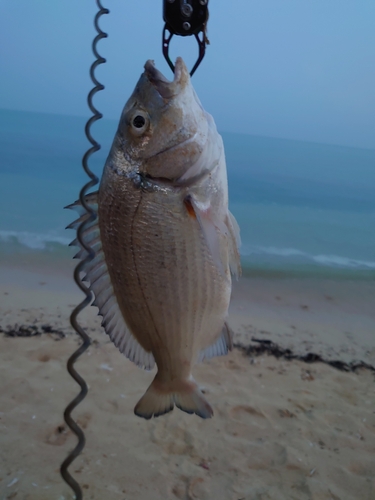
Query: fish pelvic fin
x=161, y=397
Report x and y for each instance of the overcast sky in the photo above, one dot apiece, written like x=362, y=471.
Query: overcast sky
x=298, y=69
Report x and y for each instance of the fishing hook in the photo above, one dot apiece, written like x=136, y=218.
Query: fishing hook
x=86, y=341
x=185, y=18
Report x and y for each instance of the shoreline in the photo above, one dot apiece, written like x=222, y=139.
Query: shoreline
x=281, y=428
x=332, y=318
x=55, y=256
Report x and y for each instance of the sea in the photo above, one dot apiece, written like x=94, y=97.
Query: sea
x=304, y=209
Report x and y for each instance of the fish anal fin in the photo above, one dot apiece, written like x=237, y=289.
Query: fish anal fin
x=220, y=347
x=161, y=397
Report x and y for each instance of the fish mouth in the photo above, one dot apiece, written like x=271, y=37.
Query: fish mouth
x=165, y=87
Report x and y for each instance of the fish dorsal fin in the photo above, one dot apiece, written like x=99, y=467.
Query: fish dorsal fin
x=220, y=347
x=96, y=274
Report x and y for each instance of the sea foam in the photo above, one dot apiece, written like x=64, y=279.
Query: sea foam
x=34, y=241
x=250, y=251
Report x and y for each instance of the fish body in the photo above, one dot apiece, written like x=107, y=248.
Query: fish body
x=164, y=240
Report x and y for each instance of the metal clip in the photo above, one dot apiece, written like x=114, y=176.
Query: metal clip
x=185, y=18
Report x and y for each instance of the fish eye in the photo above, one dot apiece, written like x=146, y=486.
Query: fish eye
x=139, y=122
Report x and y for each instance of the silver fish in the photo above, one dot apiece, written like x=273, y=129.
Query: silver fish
x=165, y=242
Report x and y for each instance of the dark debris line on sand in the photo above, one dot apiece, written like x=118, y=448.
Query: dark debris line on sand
x=31, y=331
x=259, y=347
x=272, y=349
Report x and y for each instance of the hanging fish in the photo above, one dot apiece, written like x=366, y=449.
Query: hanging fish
x=165, y=242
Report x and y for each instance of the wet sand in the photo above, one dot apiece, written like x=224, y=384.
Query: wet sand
x=281, y=429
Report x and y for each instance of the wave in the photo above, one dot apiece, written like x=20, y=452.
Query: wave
x=34, y=241
x=335, y=260
x=49, y=241
x=324, y=260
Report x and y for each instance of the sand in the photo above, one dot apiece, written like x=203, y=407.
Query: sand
x=281, y=429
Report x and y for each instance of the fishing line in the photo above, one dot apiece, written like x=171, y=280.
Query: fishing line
x=86, y=341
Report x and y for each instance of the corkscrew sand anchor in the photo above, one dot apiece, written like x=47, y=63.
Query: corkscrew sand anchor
x=90, y=216
x=191, y=136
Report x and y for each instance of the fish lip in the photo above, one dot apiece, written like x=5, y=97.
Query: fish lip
x=165, y=87
x=179, y=70
x=153, y=74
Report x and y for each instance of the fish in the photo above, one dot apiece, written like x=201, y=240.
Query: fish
x=165, y=244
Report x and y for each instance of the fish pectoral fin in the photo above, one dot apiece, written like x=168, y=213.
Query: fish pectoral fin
x=95, y=272
x=234, y=245
x=215, y=232
x=222, y=237
x=220, y=347
x=161, y=397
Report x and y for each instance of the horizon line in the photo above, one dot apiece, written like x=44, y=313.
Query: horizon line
x=309, y=141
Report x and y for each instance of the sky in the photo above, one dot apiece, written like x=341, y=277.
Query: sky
x=295, y=69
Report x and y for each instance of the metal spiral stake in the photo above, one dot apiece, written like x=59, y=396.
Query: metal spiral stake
x=90, y=254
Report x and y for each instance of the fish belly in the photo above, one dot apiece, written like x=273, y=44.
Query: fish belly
x=169, y=290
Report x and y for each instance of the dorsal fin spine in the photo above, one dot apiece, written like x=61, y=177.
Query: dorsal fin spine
x=99, y=280
x=109, y=308
x=95, y=274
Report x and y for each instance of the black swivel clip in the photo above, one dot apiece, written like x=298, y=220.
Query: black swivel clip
x=185, y=18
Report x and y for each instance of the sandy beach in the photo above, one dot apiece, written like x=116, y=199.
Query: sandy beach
x=282, y=429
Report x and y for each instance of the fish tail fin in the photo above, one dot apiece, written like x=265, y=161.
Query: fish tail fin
x=191, y=400
x=161, y=397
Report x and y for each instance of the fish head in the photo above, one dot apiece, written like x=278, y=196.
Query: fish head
x=163, y=127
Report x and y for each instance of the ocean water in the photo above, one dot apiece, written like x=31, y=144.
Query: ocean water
x=302, y=207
